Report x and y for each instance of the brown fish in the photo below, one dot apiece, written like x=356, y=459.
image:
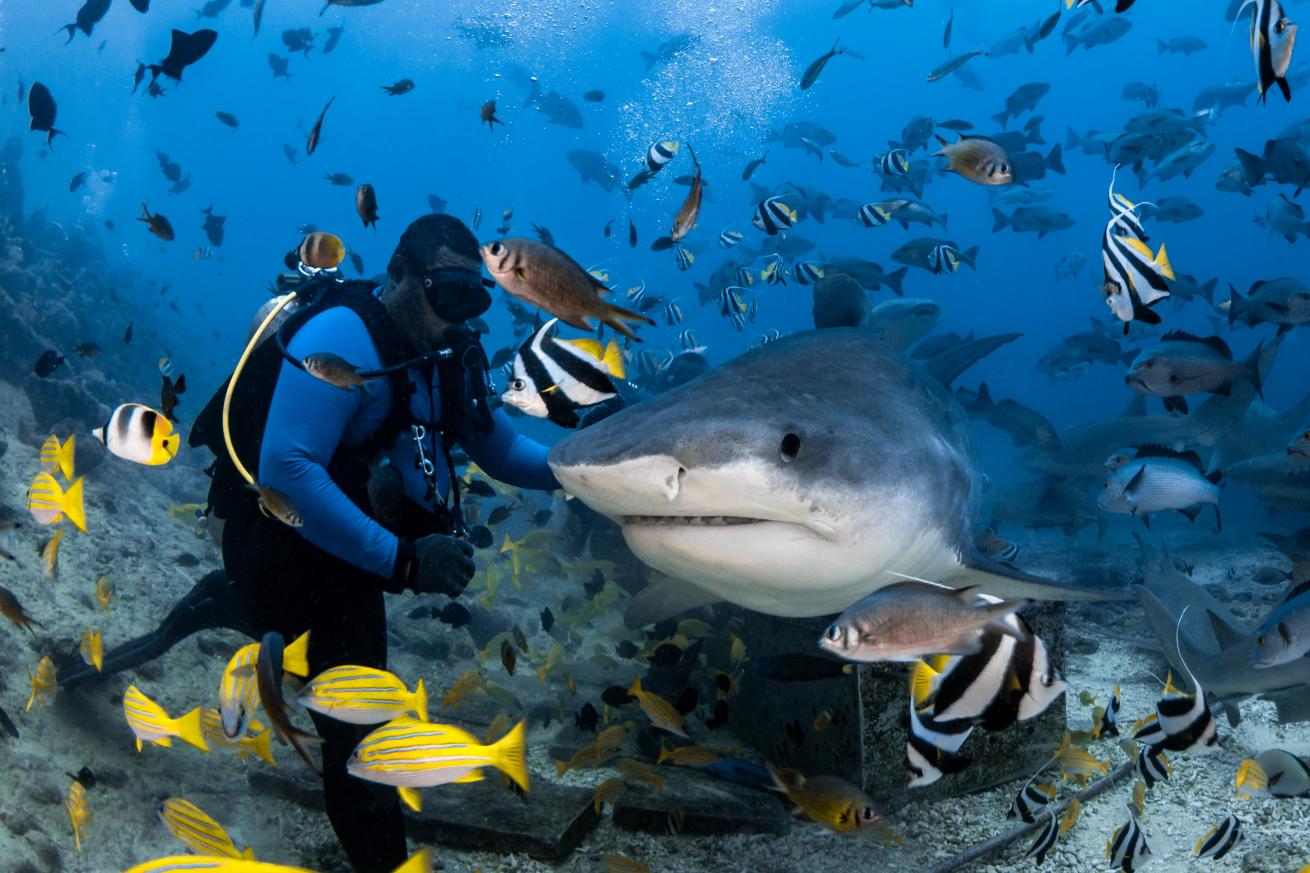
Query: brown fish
x=549, y=279
x=11, y=609
x=507, y=657
x=685, y=220
x=268, y=679
x=489, y=115
x=157, y=224
x=314, y=134
x=333, y=369
x=366, y=204
x=977, y=159
x=322, y=251
x=168, y=395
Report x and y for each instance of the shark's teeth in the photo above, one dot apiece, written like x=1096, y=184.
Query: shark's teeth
x=691, y=520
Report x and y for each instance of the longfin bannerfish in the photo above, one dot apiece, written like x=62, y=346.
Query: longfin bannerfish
x=1045, y=839
x=1127, y=846
x=932, y=749
x=660, y=154
x=1273, y=36
x=773, y=216
x=1220, y=839
x=554, y=378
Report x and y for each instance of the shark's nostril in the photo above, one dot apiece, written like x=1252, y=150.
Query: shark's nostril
x=673, y=483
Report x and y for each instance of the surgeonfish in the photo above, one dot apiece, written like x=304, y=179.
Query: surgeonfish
x=363, y=695
x=412, y=754
x=50, y=504
x=139, y=434
x=150, y=723
x=202, y=835
x=44, y=683
x=1220, y=839
x=93, y=649
x=57, y=456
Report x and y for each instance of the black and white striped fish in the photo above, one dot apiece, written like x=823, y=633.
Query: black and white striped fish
x=772, y=335
x=933, y=747
x=1127, y=847
x=745, y=277
x=773, y=216
x=1184, y=721
x=873, y=215
x=673, y=313
x=1007, y=680
x=729, y=237
x=808, y=272
x=1152, y=765
x=1045, y=840
x=1220, y=839
x=943, y=258
x=730, y=302
x=894, y=163
x=773, y=273
x=554, y=378
x=1273, y=36
x=683, y=257
x=1125, y=210
x=660, y=154
x=636, y=294
x=1135, y=279
x=687, y=339
x=1030, y=800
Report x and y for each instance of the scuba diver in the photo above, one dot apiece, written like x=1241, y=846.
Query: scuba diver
x=367, y=472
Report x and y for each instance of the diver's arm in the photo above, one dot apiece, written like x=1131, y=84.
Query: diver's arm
x=306, y=421
x=508, y=456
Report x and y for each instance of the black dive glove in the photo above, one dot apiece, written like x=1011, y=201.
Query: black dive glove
x=435, y=564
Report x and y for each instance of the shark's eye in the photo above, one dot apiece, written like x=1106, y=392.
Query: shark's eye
x=790, y=448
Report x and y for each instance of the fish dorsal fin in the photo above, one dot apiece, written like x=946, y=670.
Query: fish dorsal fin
x=1138, y=246
x=1213, y=342
x=1169, y=688
x=613, y=361
x=1153, y=451
x=591, y=347
x=1136, y=407
x=1162, y=261
x=921, y=682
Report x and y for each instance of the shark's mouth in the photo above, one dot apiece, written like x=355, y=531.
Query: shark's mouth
x=691, y=520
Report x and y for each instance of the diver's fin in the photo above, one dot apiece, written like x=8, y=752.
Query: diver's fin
x=665, y=599
x=1004, y=581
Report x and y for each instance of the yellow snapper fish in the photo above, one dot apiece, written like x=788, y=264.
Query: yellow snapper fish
x=258, y=742
x=50, y=504
x=238, y=694
x=419, y=862
x=150, y=723
x=661, y=713
x=460, y=691
x=44, y=683
x=50, y=556
x=363, y=695
x=1075, y=762
x=184, y=512
x=93, y=649
x=202, y=835
x=79, y=813
x=412, y=754
x=104, y=593
x=55, y=456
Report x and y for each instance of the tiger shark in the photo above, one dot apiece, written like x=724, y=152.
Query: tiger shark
x=793, y=481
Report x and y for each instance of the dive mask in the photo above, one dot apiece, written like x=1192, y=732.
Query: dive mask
x=457, y=294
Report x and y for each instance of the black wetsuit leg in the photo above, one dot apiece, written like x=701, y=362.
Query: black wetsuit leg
x=346, y=619
x=212, y=603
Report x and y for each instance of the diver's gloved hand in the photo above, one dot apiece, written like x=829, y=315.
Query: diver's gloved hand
x=435, y=564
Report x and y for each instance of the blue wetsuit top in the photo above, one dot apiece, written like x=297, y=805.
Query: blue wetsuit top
x=308, y=418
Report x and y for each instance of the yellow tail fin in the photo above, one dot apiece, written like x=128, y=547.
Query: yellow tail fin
x=613, y=361
x=263, y=747
x=665, y=754
x=295, y=657
x=590, y=347
x=419, y=862
x=73, y=505
x=420, y=701
x=921, y=682
x=189, y=731
x=248, y=854
x=510, y=755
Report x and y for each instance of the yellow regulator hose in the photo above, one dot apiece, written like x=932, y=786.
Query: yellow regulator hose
x=232, y=384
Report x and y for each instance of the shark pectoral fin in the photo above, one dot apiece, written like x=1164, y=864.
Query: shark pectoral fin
x=1227, y=632
x=1293, y=704
x=1004, y=581
x=663, y=599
